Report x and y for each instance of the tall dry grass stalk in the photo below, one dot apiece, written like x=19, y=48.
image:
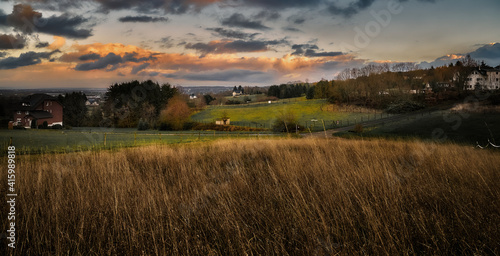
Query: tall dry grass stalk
x=261, y=197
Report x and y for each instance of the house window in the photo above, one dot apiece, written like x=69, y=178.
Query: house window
x=18, y=112
x=497, y=79
x=19, y=120
x=27, y=113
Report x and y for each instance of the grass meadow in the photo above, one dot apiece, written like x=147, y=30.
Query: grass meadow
x=33, y=141
x=261, y=197
x=263, y=115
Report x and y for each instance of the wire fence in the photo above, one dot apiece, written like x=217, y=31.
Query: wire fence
x=313, y=124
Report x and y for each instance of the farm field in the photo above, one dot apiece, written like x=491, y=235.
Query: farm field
x=81, y=139
x=262, y=115
x=253, y=98
x=261, y=197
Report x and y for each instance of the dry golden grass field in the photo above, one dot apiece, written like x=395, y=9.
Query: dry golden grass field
x=261, y=197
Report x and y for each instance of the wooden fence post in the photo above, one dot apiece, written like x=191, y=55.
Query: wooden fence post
x=324, y=128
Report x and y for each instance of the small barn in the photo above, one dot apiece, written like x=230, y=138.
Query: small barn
x=223, y=121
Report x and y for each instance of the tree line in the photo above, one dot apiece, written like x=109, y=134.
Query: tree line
x=378, y=86
x=286, y=91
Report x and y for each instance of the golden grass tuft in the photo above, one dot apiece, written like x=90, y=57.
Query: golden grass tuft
x=262, y=197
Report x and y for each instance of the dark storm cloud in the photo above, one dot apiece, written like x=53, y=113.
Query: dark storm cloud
x=357, y=6
x=42, y=44
x=313, y=53
x=228, y=33
x=299, y=48
x=489, y=52
x=167, y=6
x=109, y=62
x=283, y=3
x=151, y=74
x=239, y=20
x=247, y=46
x=111, y=59
x=230, y=75
x=90, y=56
x=148, y=6
x=292, y=29
x=352, y=9
x=66, y=26
x=309, y=50
x=138, y=68
x=183, y=6
x=219, y=47
x=25, y=59
x=228, y=47
x=267, y=15
x=428, y=1
x=165, y=42
x=142, y=19
x=8, y=42
x=24, y=19
x=298, y=20
x=131, y=57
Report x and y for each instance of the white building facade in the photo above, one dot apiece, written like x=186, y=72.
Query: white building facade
x=484, y=79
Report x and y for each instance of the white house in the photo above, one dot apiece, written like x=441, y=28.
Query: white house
x=486, y=79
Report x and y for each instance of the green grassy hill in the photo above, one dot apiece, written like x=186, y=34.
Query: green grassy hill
x=264, y=114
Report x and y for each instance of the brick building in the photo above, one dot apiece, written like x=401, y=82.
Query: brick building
x=36, y=109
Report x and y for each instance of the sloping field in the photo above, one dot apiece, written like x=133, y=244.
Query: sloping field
x=261, y=197
x=263, y=115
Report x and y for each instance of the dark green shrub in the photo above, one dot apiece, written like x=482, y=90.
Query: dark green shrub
x=404, y=106
x=142, y=125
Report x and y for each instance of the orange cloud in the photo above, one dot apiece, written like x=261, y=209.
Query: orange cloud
x=156, y=64
x=172, y=62
x=58, y=43
x=103, y=50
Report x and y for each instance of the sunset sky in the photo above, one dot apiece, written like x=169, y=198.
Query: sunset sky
x=94, y=43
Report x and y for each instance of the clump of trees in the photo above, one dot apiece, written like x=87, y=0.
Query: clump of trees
x=175, y=115
x=75, y=110
x=286, y=91
x=286, y=121
x=127, y=103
